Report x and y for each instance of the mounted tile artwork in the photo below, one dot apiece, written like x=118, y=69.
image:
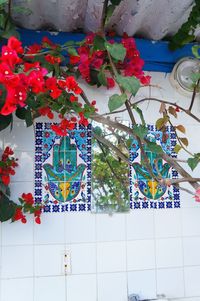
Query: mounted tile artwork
x=63, y=174
x=145, y=192
x=63, y=169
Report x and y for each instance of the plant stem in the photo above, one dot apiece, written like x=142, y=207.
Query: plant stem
x=194, y=94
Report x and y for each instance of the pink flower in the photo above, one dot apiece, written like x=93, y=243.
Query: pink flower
x=197, y=195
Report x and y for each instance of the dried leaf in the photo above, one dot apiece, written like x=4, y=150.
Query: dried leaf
x=162, y=108
x=184, y=141
x=172, y=111
x=181, y=128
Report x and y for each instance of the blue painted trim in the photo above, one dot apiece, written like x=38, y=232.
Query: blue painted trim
x=156, y=55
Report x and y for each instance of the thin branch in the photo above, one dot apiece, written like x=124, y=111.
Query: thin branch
x=169, y=103
x=194, y=95
x=103, y=15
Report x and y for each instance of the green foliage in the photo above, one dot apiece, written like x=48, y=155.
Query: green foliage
x=117, y=51
x=153, y=147
x=193, y=162
x=129, y=83
x=195, y=51
x=140, y=131
x=7, y=208
x=99, y=43
x=116, y=101
x=5, y=121
x=186, y=33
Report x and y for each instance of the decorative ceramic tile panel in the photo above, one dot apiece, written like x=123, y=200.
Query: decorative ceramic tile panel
x=145, y=192
x=63, y=169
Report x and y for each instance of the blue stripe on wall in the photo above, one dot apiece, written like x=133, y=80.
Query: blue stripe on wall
x=156, y=55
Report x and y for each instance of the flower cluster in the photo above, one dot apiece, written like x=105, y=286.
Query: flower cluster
x=27, y=84
x=27, y=206
x=88, y=59
x=7, y=165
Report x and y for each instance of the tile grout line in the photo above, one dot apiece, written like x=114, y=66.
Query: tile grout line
x=126, y=236
x=183, y=260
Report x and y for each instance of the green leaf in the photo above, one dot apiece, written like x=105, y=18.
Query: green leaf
x=21, y=113
x=195, y=51
x=139, y=111
x=115, y=2
x=97, y=130
x=3, y=2
x=99, y=43
x=109, y=12
x=117, y=51
x=161, y=122
x=7, y=208
x=153, y=147
x=116, y=101
x=28, y=118
x=5, y=121
x=140, y=131
x=102, y=78
x=129, y=83
x=195, y=77
x=193, y=162
x=72, y=51
x=177, y=148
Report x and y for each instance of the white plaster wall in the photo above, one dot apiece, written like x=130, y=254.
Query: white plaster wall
x=148, y=252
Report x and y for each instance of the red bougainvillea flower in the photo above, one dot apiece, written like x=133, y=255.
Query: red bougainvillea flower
x=5, y=179
x=46, y=111
x=52, y=59
x=9, y=56
x=19, y=215
x=197, y=195
x=33, y=49
x=63, y=127
x=74, y=59
x=72, y=85
x=28, y=198
x=51, y=85
x=83, y=121
x=110, y=83
x=36, y=80
x=15, y=44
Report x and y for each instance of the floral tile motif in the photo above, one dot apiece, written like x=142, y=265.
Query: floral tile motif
x=145, y=192
x=63, y=169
